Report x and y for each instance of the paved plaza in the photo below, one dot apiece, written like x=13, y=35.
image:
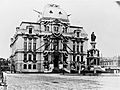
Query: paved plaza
x=60, y=82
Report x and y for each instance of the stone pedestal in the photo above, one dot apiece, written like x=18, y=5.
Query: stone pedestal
x=93, y=43
x=93, y=58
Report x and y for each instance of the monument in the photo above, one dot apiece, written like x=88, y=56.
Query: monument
x=93, y=58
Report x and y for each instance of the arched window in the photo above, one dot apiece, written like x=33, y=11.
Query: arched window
x=29, y=66
x=34, y=44
x=34, y=56
x=78, y=34
x=30, y=44
x=34, y=66
x=25, y=66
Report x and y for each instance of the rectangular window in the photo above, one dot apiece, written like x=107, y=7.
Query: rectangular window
x=55, y=45
x=25, y=56
x=78, y=58
x=81, y=48
x=34, y=57
x=25, y=44
x=73, y=57
x=34, y=44
x=77, y=34
x=30, y=57
x=64, y=47
x=77, y=47
x=30, y=30
x=30, y=44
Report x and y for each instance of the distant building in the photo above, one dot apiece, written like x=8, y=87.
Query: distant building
x=51, y=43
x=4, y=65
x=111, y=64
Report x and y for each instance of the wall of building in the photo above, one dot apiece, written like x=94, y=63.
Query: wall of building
x=39, y=31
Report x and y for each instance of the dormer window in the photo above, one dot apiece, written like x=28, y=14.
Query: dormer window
x=30, y=30
x=60, y=12
x=50, y=11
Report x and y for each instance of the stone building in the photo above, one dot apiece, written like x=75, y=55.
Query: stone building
x=4, y=65
x=111, y=64
x=49, y=44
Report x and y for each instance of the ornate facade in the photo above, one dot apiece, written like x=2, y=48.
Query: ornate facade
x=49, y=44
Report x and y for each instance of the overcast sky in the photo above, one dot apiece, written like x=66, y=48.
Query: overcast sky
x=99, y=16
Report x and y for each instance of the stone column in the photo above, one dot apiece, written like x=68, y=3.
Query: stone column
x=82, y=51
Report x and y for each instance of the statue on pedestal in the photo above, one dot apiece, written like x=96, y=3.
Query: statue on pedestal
x=93, y=37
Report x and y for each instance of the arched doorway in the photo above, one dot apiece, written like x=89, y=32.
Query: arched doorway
x=56, y=59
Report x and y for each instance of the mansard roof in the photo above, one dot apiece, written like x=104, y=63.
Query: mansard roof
x=53, y=11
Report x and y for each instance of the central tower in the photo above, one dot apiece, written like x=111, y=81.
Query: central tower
x=55, y=21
